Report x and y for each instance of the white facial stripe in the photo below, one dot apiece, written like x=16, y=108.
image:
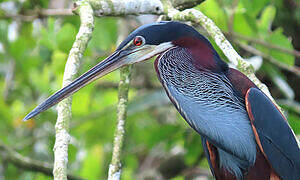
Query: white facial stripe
x=148, y=51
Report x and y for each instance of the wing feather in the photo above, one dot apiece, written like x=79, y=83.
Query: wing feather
x=273, y=135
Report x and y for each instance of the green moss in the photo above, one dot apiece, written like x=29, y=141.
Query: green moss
x=111, y=6
x=96, y=5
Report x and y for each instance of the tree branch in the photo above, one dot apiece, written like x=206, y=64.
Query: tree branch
x=114, y=172
x=269, y=58
x=129, y=7
x=32, y=15
x=291, y=104
x=115, y=165
x=185, y=4
x=136, y=7
x=27, y=163
x=56, y=12
x=108, y=8
x=62, y=137
x=263, y=43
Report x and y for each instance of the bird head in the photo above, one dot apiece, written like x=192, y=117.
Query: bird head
x=142, y=44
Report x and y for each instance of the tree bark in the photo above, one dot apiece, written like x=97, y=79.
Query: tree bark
x=62, y=136
x=114, y=172
x=8, y=154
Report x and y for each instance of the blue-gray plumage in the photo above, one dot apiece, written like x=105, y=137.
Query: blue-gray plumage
x=209, y=105
x=244, y=136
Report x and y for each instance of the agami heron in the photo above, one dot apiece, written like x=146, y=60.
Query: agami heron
x=243, y=134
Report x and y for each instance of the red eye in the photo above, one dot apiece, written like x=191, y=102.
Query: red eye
x=137, y=41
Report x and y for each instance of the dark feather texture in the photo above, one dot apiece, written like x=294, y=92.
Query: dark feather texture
x=274, y=135
x=209, y=104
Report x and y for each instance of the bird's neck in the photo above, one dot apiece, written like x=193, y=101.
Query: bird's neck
x=204, y=55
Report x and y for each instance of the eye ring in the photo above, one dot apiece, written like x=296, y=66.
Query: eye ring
x=139, y=41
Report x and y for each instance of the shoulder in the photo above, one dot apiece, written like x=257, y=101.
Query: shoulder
x=241, y=83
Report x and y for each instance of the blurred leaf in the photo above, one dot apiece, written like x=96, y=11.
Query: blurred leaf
x=48, y=35
x=266, y=19
x=212, y=9
x=193, y=146
x=279, y=80
x=243, y=20
x=179, y=178
x=241, y=24
x=131, y=163
x=41, y=80
x=58, y=61
x=82, y=101
x=92, y=164
x=65, y=37
x=18, y=48
x=41, y=176
x=294, y=122
x=105, y=34
x=254, y=7
x=279, y=39
x=3, y=31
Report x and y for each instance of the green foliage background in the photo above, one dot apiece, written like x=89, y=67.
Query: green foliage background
x=36, y=57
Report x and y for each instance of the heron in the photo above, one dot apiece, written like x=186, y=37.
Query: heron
x=244, y=135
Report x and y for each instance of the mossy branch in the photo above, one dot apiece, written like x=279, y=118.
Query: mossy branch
x=62, y=137
x=115, y=165
x=8, y=154
x=136, y=7
x=114, y=172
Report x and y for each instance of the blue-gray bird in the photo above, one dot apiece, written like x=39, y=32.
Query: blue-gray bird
x=243, y=134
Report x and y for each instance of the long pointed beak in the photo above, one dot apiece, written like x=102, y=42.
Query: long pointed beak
x=111, y=63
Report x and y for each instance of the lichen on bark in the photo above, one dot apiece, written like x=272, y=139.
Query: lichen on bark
x=62, y=136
